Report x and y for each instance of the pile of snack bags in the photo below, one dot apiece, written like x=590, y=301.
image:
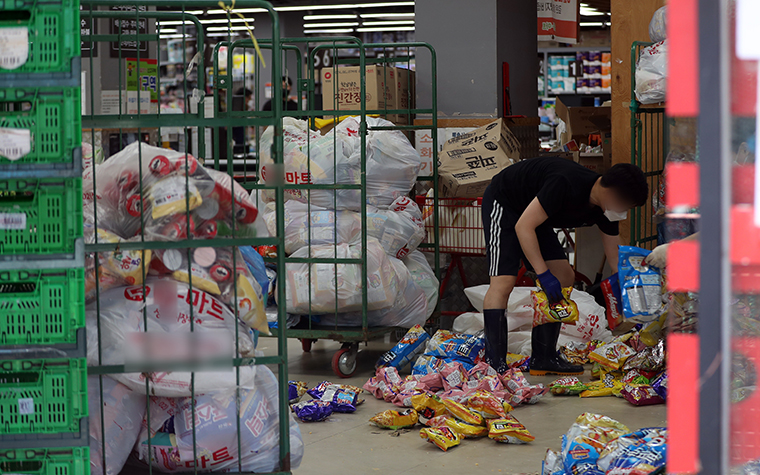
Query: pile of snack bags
x=452, y=389
x=599, y=445
x=326, y=398
x=141, y=305
x=402, y=289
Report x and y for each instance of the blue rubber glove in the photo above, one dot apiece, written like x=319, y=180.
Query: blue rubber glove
x=551, y=286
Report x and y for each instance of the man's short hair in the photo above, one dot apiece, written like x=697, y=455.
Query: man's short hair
x=243, y=91
x=288, y=80
x=629, y=183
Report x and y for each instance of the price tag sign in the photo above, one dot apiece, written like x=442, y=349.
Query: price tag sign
x=26, y=406
x=575, y=69
x=15, y=143
x=14, y=47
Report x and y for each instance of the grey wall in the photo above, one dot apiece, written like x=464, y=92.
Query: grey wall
x=472, y=38
x=517, y=44
x=464, y=37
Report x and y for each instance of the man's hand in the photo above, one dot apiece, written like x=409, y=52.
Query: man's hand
x=551, y=286
x=658, y=257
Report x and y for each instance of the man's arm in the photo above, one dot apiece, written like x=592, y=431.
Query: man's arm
x=611, y=244
x=533, y=216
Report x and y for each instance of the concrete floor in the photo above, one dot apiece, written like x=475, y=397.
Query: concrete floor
x=347, y=444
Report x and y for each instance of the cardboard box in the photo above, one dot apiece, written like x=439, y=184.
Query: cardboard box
x=467, y=163
x=583, y=121
x=348, y=92
x=423, y=143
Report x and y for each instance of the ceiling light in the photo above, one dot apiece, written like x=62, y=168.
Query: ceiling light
x=329, y=25
x=593, y=23
x=386, y=28
x=222, y=35
x=388, y=23
x=332, y=30
x=387, y=15
x=178, y=35
x=224, y=28
x=328, y=17
x=348, y=6
x=225, y=20
x=586, y=11
x=174, y=22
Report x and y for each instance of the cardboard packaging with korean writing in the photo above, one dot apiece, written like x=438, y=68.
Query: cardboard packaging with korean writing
x=467, y=163
x=341, y=88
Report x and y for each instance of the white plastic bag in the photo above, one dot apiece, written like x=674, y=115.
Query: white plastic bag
x=392, y=164
x=123, y=411
x=658, y=25
x=423, y=275
x=651, y=73
x=409, y=309
x=313, y=289
x=167, y=309
x=216, y=437
x=468, y=323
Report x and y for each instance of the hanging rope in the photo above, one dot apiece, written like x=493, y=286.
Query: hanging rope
x=230, y=9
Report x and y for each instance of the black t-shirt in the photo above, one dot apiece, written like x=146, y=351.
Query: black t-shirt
x=291, y=105
x=563, y=188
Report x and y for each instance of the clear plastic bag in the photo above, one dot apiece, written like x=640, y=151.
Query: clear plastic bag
x=123, y=411
x=216, y=431
x=167, y=311
x=313, y=289
x=651, y=73
x=658, y=25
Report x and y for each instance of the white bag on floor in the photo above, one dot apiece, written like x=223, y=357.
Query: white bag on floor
x=123, y=337
x=312, y=290
x=123, y=411
x=652, y=73
x=216, y=436
x=468, y=323
x=423, y=276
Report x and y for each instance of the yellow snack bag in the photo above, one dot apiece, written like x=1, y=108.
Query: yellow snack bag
x=167, y=196
x=443, y=437
x=507, y=407
x=250, y=306
x=509, y=431
x=201, y=279
x=428, y=405
x=463, y=414
x=486, y=404
x=604, y=387
x=395, y=420
x=565, y=311
x=468, y=431
x=612, y=355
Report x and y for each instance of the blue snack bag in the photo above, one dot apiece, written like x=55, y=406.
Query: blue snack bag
x=461, y=347
x=640, y=286
x=640, y=453
x=410, y=346
x=257, y=266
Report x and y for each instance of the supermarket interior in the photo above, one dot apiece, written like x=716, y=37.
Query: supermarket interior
x=423, y=237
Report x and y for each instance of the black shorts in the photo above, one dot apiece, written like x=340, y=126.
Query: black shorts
x=503, y=249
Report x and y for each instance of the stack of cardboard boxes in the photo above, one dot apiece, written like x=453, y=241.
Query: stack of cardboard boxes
x=582, y=122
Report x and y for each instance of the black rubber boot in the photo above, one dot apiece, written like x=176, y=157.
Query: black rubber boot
x=544, y=359
x=495, y=325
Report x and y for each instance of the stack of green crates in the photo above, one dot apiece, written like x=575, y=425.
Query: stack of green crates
x=43, y=367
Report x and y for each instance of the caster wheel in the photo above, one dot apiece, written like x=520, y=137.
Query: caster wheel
x=344, y=363
x=306, y=344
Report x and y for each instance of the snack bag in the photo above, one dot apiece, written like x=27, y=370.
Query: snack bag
x=296, y=389
x=612, y=300
x=651, y=359
x=607, y=386
x=509, y=431
x=515, y=361
x=467, y=431
x=569, y=386
x=169, y=196
x=443, y=437
x=454, y=375
x=575, y=352
x=447, y=344
x=640, y=286
x=586, y=439
x=640, y=453
x=480, y=371
x=410, y=346
x=312, y=411
x=319, y=390
x=428, y=405
x=612, y=355
x=486, y=404
x=395, y=420
x=342, y=400
x=634, y=376
x=660, y=385
x=565, y=311
x=459, y=411
x=552, y=464
x=641, y=395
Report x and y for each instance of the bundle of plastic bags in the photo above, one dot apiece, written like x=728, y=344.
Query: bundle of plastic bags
x=155, y=326
x=651, y=73
x=398, y=229
x=318, y=289
x=392, y=163
x=214, y=418
x=123, y=411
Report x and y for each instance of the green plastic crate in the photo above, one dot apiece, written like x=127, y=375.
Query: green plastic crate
x=53, y=117
x=53, y=33
x=40, y=216
x=41, y=306
x=42, y=396
x=46, y=461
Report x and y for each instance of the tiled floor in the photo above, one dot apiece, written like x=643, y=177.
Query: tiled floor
x=347, y=444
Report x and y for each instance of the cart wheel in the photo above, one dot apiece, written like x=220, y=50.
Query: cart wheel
x=344, y=362
x=306, y=344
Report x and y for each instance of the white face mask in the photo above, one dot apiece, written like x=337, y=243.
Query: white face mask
x=615, y=215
